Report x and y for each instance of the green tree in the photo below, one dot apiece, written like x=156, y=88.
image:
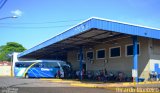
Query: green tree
x=9, y=48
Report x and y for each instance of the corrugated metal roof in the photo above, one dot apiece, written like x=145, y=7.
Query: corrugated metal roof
x=99, y=23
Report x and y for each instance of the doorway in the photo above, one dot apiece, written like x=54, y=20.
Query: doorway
x=84, y=67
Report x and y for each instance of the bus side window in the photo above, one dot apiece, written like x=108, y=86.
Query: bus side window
x=17, y=65
x=41, y=64
x=55, y=65
x=51, y=65
x=45, y=65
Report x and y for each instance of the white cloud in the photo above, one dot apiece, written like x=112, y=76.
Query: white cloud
x=17, y=12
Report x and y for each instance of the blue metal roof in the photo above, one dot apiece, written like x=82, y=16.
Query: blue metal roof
x=103, y=24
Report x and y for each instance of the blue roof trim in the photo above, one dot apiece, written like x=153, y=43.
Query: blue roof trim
x=98, y=23
x=127, y=28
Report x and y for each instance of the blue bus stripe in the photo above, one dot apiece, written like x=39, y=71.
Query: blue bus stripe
x=33, y=73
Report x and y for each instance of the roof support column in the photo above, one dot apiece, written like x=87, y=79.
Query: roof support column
x=135, y=59
x=80, y=62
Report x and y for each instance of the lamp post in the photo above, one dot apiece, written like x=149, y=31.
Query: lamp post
x=9, y=17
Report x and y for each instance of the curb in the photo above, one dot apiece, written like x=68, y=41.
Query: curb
x=51, y=79
x=141, y=83
x=61, y=81
x=93, y=86
x=110, y=86
x=84, y=85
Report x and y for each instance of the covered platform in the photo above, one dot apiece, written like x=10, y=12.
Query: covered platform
x=94, y=31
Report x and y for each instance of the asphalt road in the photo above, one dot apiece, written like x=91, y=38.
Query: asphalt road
x=19, y=85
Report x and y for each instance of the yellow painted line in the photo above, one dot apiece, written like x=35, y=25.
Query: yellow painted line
x=153, y=82
x=52, y=79
x=61, y=80
x=111, y=86
x=83, y=85
x=131, y=84
x=147, y=82
x=105, y=87
x=93, y=86
x=66, y=81
x=108, y=86
x=55, y=79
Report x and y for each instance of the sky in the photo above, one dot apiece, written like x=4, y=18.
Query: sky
x=39, y=20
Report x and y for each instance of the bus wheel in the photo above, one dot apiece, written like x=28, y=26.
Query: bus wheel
x=26, y=76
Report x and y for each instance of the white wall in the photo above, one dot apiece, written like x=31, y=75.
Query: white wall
x=5, y=70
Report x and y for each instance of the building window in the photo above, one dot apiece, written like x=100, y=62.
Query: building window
x=115, y=52
x=129, y=50
x=100, y=54
x=90, y=55
x=78, y=56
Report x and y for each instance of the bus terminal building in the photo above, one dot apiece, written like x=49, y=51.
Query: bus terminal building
x=102, y=44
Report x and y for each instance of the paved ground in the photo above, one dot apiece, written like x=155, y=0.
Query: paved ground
x=127, y=87
x=20, y=82
x=154, y=84
x=18, y=85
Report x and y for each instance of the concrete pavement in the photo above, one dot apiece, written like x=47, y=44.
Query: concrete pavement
x=104, y=85
x=122, y=87
x=69, y=86
x=19, y=85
